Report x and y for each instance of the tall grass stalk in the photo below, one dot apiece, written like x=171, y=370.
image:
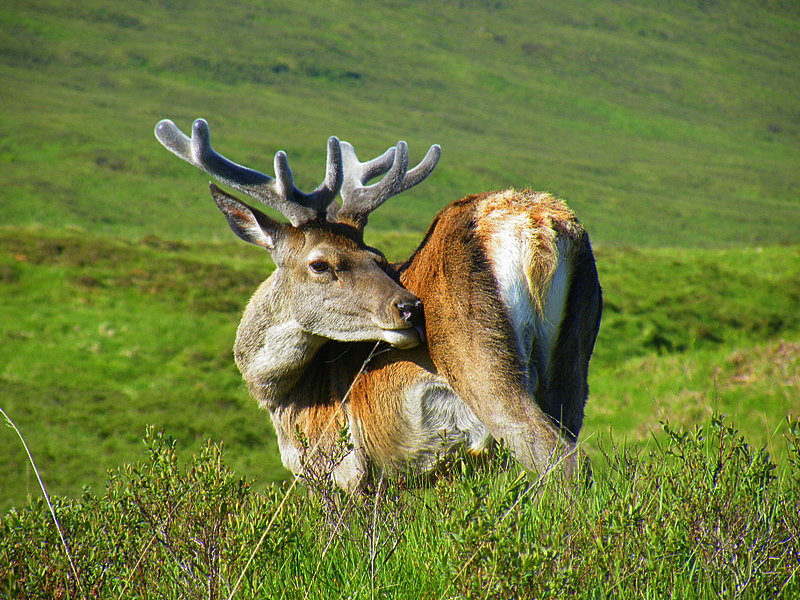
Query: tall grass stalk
x=13, y=426
x=311, y=455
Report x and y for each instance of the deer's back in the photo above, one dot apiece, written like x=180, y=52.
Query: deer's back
x=494, y=273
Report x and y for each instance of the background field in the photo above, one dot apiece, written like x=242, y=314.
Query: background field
x=673, y=129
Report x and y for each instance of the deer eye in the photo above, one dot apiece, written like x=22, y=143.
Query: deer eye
x=318, y=266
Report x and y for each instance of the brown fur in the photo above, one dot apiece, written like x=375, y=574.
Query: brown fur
x=332, y=343
x=471, y=346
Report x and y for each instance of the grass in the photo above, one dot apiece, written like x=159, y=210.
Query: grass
x=112, y=345
x=671, y=128
x=700, y=514
x=666, y=125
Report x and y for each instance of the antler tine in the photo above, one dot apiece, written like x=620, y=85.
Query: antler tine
x=278, y=193
x=332, y=183
x=424, y=168
x=359, y=199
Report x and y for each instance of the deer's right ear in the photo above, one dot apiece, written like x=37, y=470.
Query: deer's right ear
x=248, y=223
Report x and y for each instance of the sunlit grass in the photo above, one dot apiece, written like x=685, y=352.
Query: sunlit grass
x=103, y=337
x=700, y=513
x=672, y=125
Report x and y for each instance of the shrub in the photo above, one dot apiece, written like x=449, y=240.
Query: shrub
x=699, y=514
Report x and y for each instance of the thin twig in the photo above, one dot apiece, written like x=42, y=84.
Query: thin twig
x=374, y=538
x=311, y=454
x=189, y=575
x=49, y=504
x=539, y=482
x=153, y=538
x=331, y=538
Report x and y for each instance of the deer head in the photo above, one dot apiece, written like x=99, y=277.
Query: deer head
x=327, y=280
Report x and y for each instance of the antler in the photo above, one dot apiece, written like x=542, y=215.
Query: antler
x=278, y=193
x=359, y=199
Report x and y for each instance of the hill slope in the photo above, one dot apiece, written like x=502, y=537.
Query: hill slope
x=664, y=126
x=103, y=338
x=671, y=125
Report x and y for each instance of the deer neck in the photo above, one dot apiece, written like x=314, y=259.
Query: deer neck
x=272, y=350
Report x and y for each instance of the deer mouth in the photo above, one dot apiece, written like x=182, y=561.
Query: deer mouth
x=406, y=338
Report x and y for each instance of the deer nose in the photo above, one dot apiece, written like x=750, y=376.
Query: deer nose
x=409, y=309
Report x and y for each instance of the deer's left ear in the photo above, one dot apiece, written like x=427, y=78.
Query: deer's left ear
x=248, y=223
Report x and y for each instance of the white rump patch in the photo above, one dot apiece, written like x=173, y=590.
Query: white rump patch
x=510, y=254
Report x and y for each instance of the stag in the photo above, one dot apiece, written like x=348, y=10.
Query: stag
x=337, y=346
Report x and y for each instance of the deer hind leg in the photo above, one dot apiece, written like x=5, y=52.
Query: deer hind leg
x=552, y=333
x=546, y=276
x=472, y=340
x=564, y=390
x=535, y=314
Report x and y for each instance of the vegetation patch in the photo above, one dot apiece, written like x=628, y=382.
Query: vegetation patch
x=105, y=337
x=701, y=514
x=666, y=125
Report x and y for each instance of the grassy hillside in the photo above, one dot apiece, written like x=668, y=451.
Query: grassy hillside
x=671, y=127
x=674, y=124
x=102, y=338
